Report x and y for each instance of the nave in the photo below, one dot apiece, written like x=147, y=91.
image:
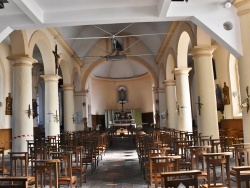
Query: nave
x=119, y=167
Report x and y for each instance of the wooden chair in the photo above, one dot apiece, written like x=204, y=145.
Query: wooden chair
x=214, y=160
x=242, y=169
x=19, y=166
x=182, y=149
x=3, y=170
x=176, y=178
x=152, y=152
x=161, y=164
x=77, y=166
x=88, y=158
x=46, y=173
x=198, y=161
x=65, y=171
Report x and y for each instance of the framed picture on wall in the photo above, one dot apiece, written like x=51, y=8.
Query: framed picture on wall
x=8, y=110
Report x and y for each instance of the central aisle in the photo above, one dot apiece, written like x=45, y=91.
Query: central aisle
x=119, y=167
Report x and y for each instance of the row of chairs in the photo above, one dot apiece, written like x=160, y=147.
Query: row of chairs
x=198, y=154
x=63, y=157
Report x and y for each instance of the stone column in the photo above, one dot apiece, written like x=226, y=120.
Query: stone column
x=52, y=124
x=22, y=120
x=85, y=112
x=243, y=7
x=171, y=104
x=68, y=103
x=183, y=99
x=156, y=107
x=206, y=101
x=79, y=105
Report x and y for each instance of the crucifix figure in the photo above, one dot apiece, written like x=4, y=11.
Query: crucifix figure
x=56, y=60
x=29, y=111
x=247, y=99
x=56, y=118
x=167, y=114
x=122, y=104
x=199, y=105
x=178, y=109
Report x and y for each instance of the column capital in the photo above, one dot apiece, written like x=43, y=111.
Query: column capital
x=243, y=7
x=205, y=50
x=22, y=60
x=51, y=77
x=70, y=87
x=81, y=93
x=169, y=82
x=155, y=89
x=181, y=71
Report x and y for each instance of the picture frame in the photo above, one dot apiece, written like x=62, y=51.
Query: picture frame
x=8, y=109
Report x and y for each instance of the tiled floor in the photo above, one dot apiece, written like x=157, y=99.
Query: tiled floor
x=119, y=168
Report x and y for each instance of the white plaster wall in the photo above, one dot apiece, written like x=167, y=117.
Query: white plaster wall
x=103, y=94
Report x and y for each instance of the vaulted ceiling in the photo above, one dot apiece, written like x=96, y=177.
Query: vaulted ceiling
x=85, y=24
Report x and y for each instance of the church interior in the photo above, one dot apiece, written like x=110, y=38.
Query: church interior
x=137, y=77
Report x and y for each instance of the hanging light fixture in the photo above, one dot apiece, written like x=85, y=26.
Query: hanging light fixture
x=228, y=4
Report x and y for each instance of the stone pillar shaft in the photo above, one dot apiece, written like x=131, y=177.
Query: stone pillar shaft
x=171, y=104
x=79, y=106
x=22, y=125
x=207, y=109
x=183, y=99
x=52, y=124
x=68, y=101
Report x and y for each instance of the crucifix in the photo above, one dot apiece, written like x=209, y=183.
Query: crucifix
x=178, y=109
x=199, y=105
x=167, y=114
x=56, y=118
x=73, y=118
x=247, y=99
x=29, y=111
x=122, y=104
x=56, y=60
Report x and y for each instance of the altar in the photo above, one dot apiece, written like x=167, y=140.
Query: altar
x=127, y=119
x=123, y=120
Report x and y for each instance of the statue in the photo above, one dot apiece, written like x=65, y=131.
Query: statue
x=56, y=60
x=225, y=91
x=220, y=105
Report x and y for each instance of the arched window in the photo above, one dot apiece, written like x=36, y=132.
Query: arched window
x=122, y=94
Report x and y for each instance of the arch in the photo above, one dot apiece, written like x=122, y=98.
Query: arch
x=184, y=45
x=19, y=43
x=41, y=40
x=135, y=59
x=170, y=64
x=65, y=69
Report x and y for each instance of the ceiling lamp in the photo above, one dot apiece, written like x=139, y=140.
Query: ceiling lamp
x=228, y=4
x=116, y=57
